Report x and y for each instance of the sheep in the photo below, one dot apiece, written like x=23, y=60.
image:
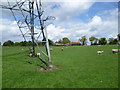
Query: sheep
x=30, y=54
x=62, y=49
x=22, y=49
x=115, y=50
x=100, y=52
x=51, y=49
x=38, y=54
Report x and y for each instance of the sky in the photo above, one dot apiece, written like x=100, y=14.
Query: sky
x=73, y=20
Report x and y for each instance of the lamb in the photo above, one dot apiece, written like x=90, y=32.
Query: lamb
x=115, y=50
x=100, y=52
x=62, y=49
x=30, y=54
x=51, y=49
x=38, y=54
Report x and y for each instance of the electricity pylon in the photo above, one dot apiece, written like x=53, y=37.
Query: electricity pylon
x=30, y=21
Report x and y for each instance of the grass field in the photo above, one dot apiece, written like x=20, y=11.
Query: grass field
x=79, y=67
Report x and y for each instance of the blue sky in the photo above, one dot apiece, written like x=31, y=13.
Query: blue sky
x=73, y=20
x=96, y=8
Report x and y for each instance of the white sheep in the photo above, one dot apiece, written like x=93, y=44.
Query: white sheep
x=100, y=52
x=115, y=50
x=51, y=49
x=30, y=54
x=62, y=49
x=38, y=54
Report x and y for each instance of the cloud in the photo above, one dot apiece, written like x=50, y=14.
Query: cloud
x=98, y=26
x=67, y=10
x=96, y=20
x=103, y=24
x=9, y=30
x=55, y=32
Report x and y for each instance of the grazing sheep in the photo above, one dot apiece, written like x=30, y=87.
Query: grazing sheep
x=115, y=50
x=30, y=54
x=22, y=49
x=62, y=49
x=51, y=49
x=100, y=52
x=38, y=54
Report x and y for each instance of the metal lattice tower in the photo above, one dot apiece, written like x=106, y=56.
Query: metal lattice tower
x=31, y=22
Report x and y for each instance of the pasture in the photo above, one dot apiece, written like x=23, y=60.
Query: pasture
x=79, y=67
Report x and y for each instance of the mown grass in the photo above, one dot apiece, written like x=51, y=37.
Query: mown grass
x=79, y=67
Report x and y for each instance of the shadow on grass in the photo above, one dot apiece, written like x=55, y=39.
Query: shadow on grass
x=43, y=61
x=15, y=54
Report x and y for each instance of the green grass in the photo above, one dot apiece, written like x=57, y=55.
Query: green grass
x=79, y=67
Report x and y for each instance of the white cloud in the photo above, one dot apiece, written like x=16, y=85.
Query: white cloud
x=103, y=24
x=9, y=30
x=66, y=10
x=55, y=33
x=98, y=26
x=96, y=20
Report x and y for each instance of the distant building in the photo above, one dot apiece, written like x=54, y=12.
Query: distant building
x=59, y=44
x=75, y=44
x=68, y=44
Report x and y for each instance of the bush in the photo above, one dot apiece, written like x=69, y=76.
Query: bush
x=8, y=43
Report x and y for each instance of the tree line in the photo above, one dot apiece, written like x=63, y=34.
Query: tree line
x=100, y=41
x=24, y=43
x=83, y=40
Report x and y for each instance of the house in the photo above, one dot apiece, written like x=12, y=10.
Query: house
x=75, y=44
x=59, y=44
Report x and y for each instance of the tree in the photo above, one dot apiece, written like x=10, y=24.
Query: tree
x=0, y=43
x=91, y=39
x=60, y=41
x=83, y=39
x=23, y=43
x=40, y=43
x=95, y=41
x=17, y=44
x=102, y=41
x=118, y=37
x=8, y=43
x=50, y=42
x=29, y=43
x=65, y=40
x=111, y=40
x=115, y=41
